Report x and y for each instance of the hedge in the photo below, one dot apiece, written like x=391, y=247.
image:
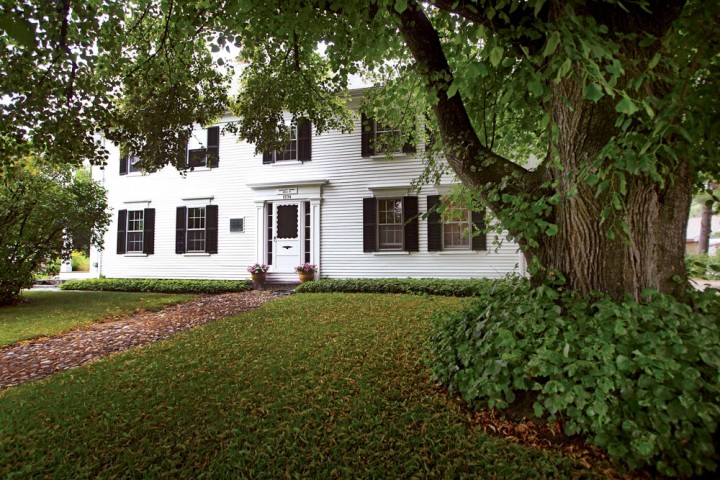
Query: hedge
x=157, y=286
x=428, y=286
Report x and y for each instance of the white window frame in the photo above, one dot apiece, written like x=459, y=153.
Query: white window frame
x=449, y=217
x=381, y=130
x=394, y=247
x=129, y=231
x=292, y=141
x=188, y=229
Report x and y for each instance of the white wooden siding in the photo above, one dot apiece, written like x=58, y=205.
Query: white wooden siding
x=336, y=158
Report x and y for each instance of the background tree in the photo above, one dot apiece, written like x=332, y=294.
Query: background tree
x=41, y=208
x=616, y=100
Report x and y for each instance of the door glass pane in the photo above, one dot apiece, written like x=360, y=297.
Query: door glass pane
x=287, y=221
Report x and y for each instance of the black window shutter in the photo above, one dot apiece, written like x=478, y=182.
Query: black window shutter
x=369, y=224
x=268, y=157
x=367, y=138
x=211, y=229
x=123, y=165
x=122, y=231
x=213, y=147
x=410, y=214
x=434, y=224
x=304, y=140
x=180, y=227
x=479, y=240
x=149, y=231
x=409, y=148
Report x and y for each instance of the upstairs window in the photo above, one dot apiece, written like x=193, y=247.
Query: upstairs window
x=208, y=156
x=291, y=147
x=298, y=147
x=379, y=139
x=129, y=164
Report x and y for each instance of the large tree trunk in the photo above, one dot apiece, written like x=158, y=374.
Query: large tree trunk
x=650, y=254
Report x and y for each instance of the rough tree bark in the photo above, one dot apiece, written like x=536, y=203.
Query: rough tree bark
x=705, y=228
x=653, y=255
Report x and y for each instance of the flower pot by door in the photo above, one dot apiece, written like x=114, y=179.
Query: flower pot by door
x=306, y=276
x=259, y=278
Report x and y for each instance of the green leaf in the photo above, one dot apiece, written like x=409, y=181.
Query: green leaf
x=538, y=6
x=593, y=92
x=400, y=6
x=19, y=29
x=452, y=90
x=551, y=44
x=535, y=87
x=626, y=106
x=564, y=68
x=551, y=230
x=496, y=55
x=655, y=60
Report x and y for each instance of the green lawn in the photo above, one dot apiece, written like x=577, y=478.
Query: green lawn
x=309, y=386
x=49, y=313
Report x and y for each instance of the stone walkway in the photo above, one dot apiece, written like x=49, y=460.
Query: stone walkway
x=40, y=358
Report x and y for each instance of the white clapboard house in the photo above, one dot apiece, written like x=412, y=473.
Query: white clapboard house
x=327, y=199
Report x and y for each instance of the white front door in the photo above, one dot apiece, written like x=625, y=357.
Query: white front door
x=286, y=236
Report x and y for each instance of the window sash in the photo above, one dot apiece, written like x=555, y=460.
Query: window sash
x=390, y=224
x=386, y=137
x=195, y=232
x=291, y=147
x=135, y=226
x=457, y=228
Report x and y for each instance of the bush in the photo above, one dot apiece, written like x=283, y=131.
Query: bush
x=157, y=286
x=639, y=380
x=42, y=206
x=429, y=286
x=80, y=262
x=703, y=266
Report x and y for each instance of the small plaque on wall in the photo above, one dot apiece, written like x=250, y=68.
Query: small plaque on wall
x=237, y=224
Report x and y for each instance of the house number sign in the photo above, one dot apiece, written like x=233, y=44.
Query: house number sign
x=287, y=193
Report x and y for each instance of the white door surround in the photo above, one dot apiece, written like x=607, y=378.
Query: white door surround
x=283, y=199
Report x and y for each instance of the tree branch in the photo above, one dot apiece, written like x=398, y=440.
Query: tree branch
x=476, y=164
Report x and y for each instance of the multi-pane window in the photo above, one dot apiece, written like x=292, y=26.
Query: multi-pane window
x=132, y=163
x=195, y=229
x=387, y=140
x=291, y=147
x=390, y=224
x=457, y=228
x=135, y=226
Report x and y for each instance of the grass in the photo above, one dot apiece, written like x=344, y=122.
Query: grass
x=49, y=313
x=310, y=386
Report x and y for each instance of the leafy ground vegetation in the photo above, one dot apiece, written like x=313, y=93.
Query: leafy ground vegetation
x=157, y=286
x=704, y=266
x=50, y=313
x=311, y=386
x=640, y=380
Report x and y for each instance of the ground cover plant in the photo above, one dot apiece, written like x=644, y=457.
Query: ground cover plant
x=640, y=380
x=48, y=313
x=157, y=286
x=309, y=386
x=429, y=286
